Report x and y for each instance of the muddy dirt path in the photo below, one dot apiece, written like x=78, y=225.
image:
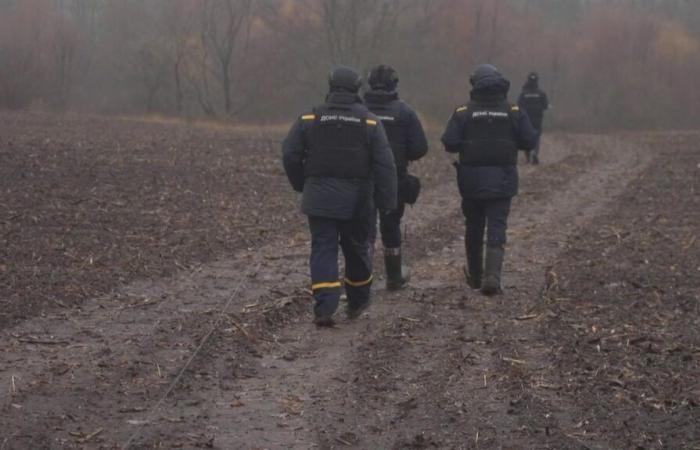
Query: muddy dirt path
x=426, y=367
x=389, y=381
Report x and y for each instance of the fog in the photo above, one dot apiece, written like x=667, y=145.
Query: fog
x=604, y=64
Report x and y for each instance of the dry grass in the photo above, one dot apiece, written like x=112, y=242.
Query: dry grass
x=211, y=124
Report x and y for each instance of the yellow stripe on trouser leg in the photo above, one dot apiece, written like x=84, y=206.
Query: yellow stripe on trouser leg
x=359, y=283
x=326, y=285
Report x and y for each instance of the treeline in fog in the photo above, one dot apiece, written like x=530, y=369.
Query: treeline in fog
x=604, y=63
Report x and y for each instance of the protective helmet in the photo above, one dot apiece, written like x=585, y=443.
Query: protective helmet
x=383, y=77
x=532, y=76
x=487, y=78
x=345, y=78
x=482, y=72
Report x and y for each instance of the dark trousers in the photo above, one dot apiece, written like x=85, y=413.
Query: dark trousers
x=389, y=227
x=490, y=215
x=536, y=151
x=353, y=238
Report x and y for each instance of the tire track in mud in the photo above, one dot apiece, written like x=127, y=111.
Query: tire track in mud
x=360, y=385
x=465, y=397
x=415, y=371
x=102, y=365
x=271, y=385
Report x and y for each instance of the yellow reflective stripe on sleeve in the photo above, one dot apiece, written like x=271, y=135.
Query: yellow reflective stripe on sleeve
x=515, y=108
x=308, y=117
x=461, y=108
x=326, y=285
x=359, y=283
x=371, y=122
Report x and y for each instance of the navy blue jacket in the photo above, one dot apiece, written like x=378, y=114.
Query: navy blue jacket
x=534, y=102
x=411, y=144
x=488, y=182
x=342, y=198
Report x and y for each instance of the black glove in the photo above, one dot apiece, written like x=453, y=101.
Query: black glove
x=409, y=189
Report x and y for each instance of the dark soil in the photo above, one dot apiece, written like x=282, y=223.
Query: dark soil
x=623, y=312
x=154, y=278
x=91, y=203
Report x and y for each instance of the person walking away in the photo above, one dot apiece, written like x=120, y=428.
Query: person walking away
x=487, y=133
x=534, y=102
x=338, y=156
x=408, y=143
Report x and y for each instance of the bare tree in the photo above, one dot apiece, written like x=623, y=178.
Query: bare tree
x=22, y=56
x=357, y=31
x=225, y=28
x=214, y=57
x=153, y=71
x=63, y=53
x=178, y=24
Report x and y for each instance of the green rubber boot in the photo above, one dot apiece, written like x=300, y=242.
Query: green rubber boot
x=491, y=284
x=474, y=269
x=397, y=275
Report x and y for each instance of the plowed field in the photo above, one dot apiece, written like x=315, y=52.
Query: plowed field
x=154, y=294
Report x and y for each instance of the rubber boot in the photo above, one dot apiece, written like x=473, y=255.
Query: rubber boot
x=355, y=312
x=475, y=264
x=491, y=284
x=324, y=321
x=396, y=274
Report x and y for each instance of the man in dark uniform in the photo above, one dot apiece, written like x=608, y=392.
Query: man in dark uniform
x=338, y=156
x=408, y=143
x=534, y=102
x=487, y=133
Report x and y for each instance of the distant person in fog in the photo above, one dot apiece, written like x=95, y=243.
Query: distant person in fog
x=487, y=133
x=534, y=102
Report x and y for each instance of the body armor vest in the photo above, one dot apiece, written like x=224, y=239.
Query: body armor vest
x=389, y=114
x=338, y=144
x=532, y=101
x=490, y=140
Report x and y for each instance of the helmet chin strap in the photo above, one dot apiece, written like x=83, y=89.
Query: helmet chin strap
x=342, y=89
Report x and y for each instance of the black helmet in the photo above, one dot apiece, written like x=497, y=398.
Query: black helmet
x=532, y=76
x=344, y=78
x=383, y=77
x=482, y=72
